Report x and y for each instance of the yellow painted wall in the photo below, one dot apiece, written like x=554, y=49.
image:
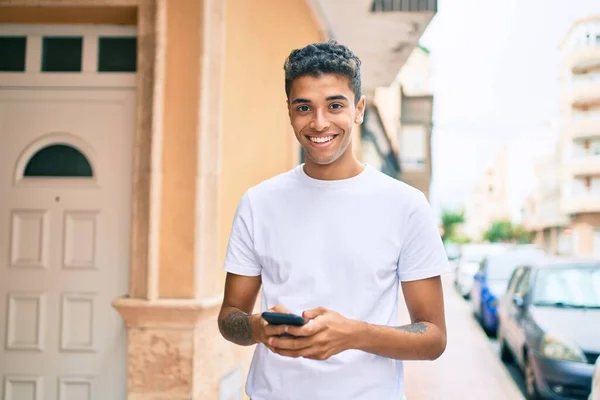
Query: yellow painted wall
x=258, y=141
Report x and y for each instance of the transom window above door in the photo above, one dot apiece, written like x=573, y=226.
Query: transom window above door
x=68, y=55
x=65, y=54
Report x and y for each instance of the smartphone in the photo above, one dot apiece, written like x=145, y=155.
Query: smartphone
x=274, y=318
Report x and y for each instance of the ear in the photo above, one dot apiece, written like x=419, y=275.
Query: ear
x=360, y=110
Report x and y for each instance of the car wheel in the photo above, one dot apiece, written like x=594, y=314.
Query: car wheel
x=483, y=320
x=505, y=354
x=530, y=382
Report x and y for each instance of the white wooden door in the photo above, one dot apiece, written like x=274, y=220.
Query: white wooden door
x=64, y=242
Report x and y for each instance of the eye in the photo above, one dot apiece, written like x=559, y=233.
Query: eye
x=337, y=106
x=303, y=108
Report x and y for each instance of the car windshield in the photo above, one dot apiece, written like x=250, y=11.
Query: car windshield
x=568, y=287
x=501, y=267
x=452, y=251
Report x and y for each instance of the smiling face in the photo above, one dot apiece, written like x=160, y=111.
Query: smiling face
x=323, y=112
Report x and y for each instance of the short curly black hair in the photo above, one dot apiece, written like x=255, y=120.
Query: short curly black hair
x=323, y=58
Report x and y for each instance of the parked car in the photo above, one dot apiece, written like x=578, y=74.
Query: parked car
x=549, y=324
x=595, y=394
x=491, y=281
x=468, y=264
x=453, y=254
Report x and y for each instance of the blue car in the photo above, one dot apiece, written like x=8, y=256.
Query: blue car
x=491, y=281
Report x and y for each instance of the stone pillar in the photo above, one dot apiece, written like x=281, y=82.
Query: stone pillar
x=175, y=350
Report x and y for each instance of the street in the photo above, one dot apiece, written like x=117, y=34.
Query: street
x=469, y=368
x=512, y=369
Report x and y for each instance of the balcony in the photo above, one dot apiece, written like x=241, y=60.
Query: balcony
x=586, y=93
x=585, y=166
x=579, y=204
x=584, y=59
x=585, y=127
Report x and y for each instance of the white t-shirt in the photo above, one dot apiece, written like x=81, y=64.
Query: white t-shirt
x=343, y=245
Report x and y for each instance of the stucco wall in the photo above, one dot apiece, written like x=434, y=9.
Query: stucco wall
x=584, y=225
x=179, y=152
x=258, y=141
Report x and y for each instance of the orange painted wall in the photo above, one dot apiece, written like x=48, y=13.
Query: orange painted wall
x=179, y=152
x=258, y=142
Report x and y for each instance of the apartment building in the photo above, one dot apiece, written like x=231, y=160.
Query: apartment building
x=129, y=131
x=406, y=112
x=543, y=214
x=580, y=131
x=488, y=203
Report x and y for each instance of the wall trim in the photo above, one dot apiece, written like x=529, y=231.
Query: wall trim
x=166, y=313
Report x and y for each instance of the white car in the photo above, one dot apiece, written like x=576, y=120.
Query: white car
x=469, y=262
x=595, y=394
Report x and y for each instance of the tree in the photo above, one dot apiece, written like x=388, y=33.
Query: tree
x=506, y=231
x=501, y=231
x=521, y=235
x=450, y=220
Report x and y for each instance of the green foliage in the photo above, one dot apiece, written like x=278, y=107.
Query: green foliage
x=459, y=239
x=506, y=231
x=450, y=220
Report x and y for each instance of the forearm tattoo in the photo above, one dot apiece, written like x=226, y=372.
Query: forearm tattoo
x=417, y=327
x=237, y=329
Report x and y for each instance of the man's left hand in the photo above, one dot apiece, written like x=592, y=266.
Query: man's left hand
x=325, y=334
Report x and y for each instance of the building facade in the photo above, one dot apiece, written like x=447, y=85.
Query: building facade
x=544, y=215
x=580, y=130
x=488, y=203
x=129, y=131
x=406, y=109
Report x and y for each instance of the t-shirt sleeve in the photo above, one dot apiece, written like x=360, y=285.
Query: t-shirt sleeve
x=240, y=258
x=423, y=254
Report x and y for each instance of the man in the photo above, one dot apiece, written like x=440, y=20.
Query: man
x=331, y=240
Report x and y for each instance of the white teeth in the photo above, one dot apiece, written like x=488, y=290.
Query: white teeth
x=320, y=139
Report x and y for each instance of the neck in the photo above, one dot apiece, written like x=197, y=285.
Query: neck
x=347, y=166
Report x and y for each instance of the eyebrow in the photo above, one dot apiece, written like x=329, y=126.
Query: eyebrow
x=330, y=98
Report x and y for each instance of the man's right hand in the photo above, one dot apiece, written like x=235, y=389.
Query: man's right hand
x=262, y=331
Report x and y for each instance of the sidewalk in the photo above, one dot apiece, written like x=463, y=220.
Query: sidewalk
x=468, y=369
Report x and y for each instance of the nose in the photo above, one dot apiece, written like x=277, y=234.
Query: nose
x=319, y=123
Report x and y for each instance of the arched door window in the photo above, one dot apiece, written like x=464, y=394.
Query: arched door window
x=58, y=160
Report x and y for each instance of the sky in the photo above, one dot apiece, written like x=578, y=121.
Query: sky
x=495, y=79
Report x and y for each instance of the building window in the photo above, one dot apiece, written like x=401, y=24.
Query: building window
x=595, y=186
x=117, y=54
x=595, y=148
x=413, y=147
x=62, y=54
x=58, y=160
x=12, y=53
